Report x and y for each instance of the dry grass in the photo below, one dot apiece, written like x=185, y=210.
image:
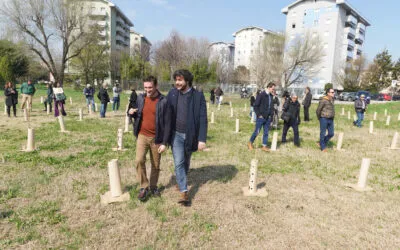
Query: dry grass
x=50, y=198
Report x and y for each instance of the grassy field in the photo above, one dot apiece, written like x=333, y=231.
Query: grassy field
x=50, y=198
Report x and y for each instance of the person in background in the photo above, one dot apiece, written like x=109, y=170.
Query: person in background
x=11, y=98
x=275, y=117
x=264, y=109
x=306, y=104
x=326, y=114
x=116, y=97
x=360, y=105
x=252, y=101
x=291, y=109
x=59, y=100
x=27, y=91
x=89, y=95
x=104, y=100
x=212, y=95
x=218, y=95
x=49, y=98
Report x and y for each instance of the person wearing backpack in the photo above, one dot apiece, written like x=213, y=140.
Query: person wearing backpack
x=59, y=100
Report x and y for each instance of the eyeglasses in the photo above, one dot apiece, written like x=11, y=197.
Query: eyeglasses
x=331, y=92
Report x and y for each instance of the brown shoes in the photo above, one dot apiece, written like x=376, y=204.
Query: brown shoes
x=250, y=146
x=265, y=149
x=184, y=200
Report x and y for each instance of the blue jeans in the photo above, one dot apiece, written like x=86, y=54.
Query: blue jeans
x=115, y=103
x=90, y=100
x=181, y=160
x=261, y=123
x=103, y=109
x=360, y=118
x=325, y=124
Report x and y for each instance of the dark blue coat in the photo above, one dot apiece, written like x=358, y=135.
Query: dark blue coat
x=160, y=117
x=264, y=105
x=196, y=126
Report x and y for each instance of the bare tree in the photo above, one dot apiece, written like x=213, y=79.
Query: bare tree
x=267, y=61
x=178, y=51
x=44, y=25
x=349, y=75
x=302, y=56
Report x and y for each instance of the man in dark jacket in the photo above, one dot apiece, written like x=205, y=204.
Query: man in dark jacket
x=292, y=109
x=307, y=104
x=264, y=109
x=49, y=98
x=326, y=114
x=186, y=130
x=148, y=128
x=104, y=99
x=360, y=106
x=89, y=94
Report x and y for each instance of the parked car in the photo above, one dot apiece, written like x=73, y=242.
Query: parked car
x=348, y=96
x=318, y=96
x=381, y=97
x=365, y=93
x=396, y=98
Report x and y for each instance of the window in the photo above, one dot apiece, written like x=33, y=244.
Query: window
x=316, y=10
x=103, y=9
x=328, y=21
x=293, y=26
x=316, y=22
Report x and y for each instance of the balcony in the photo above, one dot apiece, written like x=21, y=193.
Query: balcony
x=120, y=20
x=350, y=30
x=98, y=13
x=350, y=44
x=102, y=33
x=361, y=26
x=120, y=29
x=351, y=20
x=102, y=24
x=359, y=39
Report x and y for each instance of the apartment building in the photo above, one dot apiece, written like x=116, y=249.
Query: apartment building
x=223, y=53
x=341, y=29
x=114, y=32
x=139, y=44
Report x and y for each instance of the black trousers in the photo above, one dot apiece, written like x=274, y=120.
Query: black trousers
x=49, y=103
x=14, y=109
x=295, y=126
x=306, y=114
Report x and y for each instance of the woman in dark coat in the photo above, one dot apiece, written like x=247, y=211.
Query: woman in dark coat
x=11, y=98
x=291, y=109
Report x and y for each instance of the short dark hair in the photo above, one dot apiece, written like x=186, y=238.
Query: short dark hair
x=271, y=84
x=152, y=79
x=327, y=90
x=185, y=74
x=308, y=88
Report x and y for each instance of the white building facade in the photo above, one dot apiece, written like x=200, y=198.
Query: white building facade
x=223, y=53
x=247, y=42
x=114, y=32
x=340, y=27
x=139, y=44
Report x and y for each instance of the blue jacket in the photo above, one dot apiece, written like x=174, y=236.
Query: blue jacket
x=88, y=92
x=196, y=126
x=160, y=117
x=264, y=105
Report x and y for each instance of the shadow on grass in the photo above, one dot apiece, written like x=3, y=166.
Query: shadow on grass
x=200, y=176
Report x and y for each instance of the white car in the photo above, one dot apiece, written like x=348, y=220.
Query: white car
x=318, y=96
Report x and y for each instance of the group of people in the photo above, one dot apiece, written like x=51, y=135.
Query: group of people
x=216, y=95
x=178, y=120
x=265, y=106
x=103, y=97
